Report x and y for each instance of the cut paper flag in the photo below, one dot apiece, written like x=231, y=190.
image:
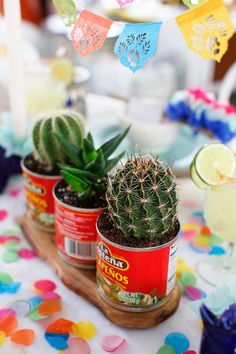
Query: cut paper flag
x=207, y=29
x=137, y=43
x=192, y=3
x=123, y=3
x=66, y=9
x=89, y=32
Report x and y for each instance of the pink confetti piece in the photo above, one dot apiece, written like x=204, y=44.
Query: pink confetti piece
x=124, y=3
x=189, y=235
x=44, y=286
x=13, y=238
x=189, y=204
x=193, y=293
x=50, y=295
x=27, y=253
x=7, y=312
x=111, y=343
x=77, y=346
x=3, y=239
x=3, y=214
x=15, y=192
x=190, y=352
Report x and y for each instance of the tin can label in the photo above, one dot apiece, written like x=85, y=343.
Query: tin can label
x=39, y=198
x=136, y=278
x=76, y=233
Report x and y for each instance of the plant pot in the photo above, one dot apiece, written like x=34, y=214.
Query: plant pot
x=135, y=279
x=39, y=198
x=76, y=233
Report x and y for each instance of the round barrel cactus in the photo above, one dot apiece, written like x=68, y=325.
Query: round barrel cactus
x=46, y=148
x=142, y=198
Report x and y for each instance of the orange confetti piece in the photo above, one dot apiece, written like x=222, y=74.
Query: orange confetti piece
x=23, y=337
x=61, y=326
x=49, y=307
x=205, y=230
x=8, y=325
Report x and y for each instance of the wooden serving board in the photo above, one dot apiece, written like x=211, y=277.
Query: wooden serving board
x=83, y=282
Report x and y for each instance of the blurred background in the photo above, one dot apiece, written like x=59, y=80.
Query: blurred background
x=107, y=93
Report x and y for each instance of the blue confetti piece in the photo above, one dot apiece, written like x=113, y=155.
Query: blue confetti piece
x=217, y=250
x=56, y=340
x=198, y=214
x=35, y=301
x=11, y=288
x=178, y=341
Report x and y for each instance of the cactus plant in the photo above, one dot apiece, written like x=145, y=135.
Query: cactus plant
x=142, y=199
x=88, y=169
x=46, y=149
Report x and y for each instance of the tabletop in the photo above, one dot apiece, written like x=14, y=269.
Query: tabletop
x=74, y=308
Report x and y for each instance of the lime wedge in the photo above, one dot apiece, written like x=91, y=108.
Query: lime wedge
x=195, y=177
x=63, y=69
x=214, y=162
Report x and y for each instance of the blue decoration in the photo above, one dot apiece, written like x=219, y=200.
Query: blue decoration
x=219, y=335
x=56, y=340
x=178, y=341
x=137, y=43
x=217, y=250
x=35, y=301
x=11, y=288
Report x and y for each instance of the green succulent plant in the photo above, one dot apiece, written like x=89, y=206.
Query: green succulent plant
x=88, y=167
x=46, y=148
x=142, y=199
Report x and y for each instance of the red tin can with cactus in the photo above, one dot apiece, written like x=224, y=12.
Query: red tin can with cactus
x=80, y=197
x=138, y=236
x=40, y=169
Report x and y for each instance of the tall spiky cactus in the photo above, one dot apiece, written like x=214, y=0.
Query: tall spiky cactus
x=46, y=148
x=142, y=198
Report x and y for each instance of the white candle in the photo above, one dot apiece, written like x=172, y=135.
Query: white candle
x=16, y=71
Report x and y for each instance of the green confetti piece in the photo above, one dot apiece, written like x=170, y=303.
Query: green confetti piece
x=181, y=286
x=15, y=232
x=34, y=315
x=188, y=278
x=12, y=245
x=166, y=349
x=215, y=240
x=66, y=9
x=10, y=256
x=5, y=278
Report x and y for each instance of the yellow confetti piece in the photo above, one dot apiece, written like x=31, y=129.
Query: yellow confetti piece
x=202, y=241
x=84, y=329
x=190, y=227
x=201, y=325
x=207, y=29
x=2, y=338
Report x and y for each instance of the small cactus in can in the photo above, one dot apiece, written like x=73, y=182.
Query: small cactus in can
x=142, y=198
x=46, y=148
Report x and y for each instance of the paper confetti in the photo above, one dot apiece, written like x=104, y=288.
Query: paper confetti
x=57, y=341
x=111, y=343
x=2, y=338
x=49, y=307
x=166, y=349
x=8, y=325
x=3, y=214
x=77, y=345
x=27, y=253
x=23, y=337
x=61, y=325
x=44, y=286
x=84, y=329
x=21, y=307
x=178, y=341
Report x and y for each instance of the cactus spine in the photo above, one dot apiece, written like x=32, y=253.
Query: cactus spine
x=142, y=198
x=46, y=148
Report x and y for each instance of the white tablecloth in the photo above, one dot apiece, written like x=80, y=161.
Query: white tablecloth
x=77, y=309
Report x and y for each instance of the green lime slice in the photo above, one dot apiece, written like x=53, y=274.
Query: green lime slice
x=213, y=162
x=195, y=177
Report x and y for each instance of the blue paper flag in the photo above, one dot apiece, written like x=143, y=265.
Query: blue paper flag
x=137, y=43
x=11, y=288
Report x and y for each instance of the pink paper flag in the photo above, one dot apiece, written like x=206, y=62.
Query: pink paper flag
x=123, y=3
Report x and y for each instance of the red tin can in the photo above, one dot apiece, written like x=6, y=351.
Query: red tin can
x=39, y=198
x=135, y=279
x=76, y=233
